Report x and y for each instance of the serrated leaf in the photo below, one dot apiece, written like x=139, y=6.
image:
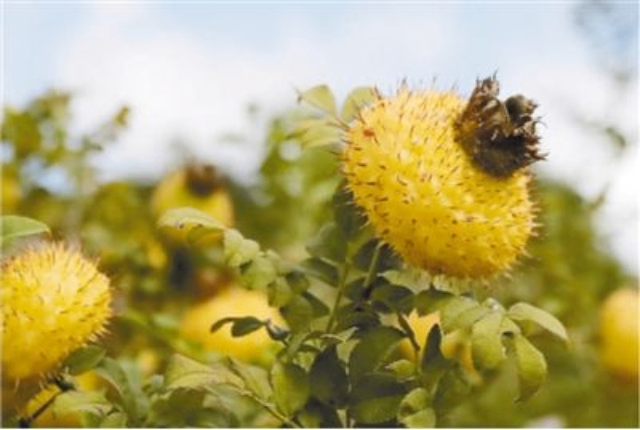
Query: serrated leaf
x=526, y=312
x=486, y=342
x=415, y=410
x=356, y=99
x=376, y=398
x=83, y=359
x=532, y=367
x=373, y=348
x=290, y=387
x=245, y=325
x=328, y=378
x=320, y=97
x=322, y=270
x=238, y=250
x=14, y=226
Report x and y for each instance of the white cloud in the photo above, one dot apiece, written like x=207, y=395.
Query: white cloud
x=179, y=87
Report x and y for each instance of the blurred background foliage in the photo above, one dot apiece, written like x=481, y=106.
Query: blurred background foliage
x=50, y=175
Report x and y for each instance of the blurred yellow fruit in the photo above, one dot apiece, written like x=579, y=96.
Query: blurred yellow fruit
x=11, y=193
x=232, y=302
x=620, y=333
x=194, y=186
x=54, y=300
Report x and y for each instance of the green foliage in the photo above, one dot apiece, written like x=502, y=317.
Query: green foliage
x=342, y=358
x=13, y=227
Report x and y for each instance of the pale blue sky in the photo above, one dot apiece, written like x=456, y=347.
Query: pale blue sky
x=188, y=70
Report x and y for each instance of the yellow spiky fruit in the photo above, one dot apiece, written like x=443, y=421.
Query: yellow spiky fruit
x=424, y=195
x=54, y=300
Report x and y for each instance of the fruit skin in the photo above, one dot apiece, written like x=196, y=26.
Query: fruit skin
x=620, y=333
x=54, y=301
x=422, y=193
x=232, y=302
x=175, y=191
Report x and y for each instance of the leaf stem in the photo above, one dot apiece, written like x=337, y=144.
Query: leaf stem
x=341, y=284
x=373, y=270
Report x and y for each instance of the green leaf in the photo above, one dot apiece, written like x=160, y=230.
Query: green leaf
x=349, y=219
x=376, y=398
x=486, y=342
x=373, y=348
x=322, y=270
x=114, y=420
x=433, y=364
x=83, y=359
x=525, y=312
x=81, y=401
x=356, y=99
x=279, y=292
x=532, y=367
x=455, y=308
x=245, y=325
x=329, y=243
x=238, y=250
x=426, y=301
x=395, y=297
x=328, y=378
x=320, y=97
x=319, y=415
x=318, y=307
x=467, y=318
x=403, y=369
x=258, y=273
x=290, y=387
x=198, y=227
x=415, y=410
x=298, y=313
x=255, y=378
x=129, y=395
x=297, y=281
x=183, y=372
x=387, y=259
x=452, y=389
x=14, y=226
